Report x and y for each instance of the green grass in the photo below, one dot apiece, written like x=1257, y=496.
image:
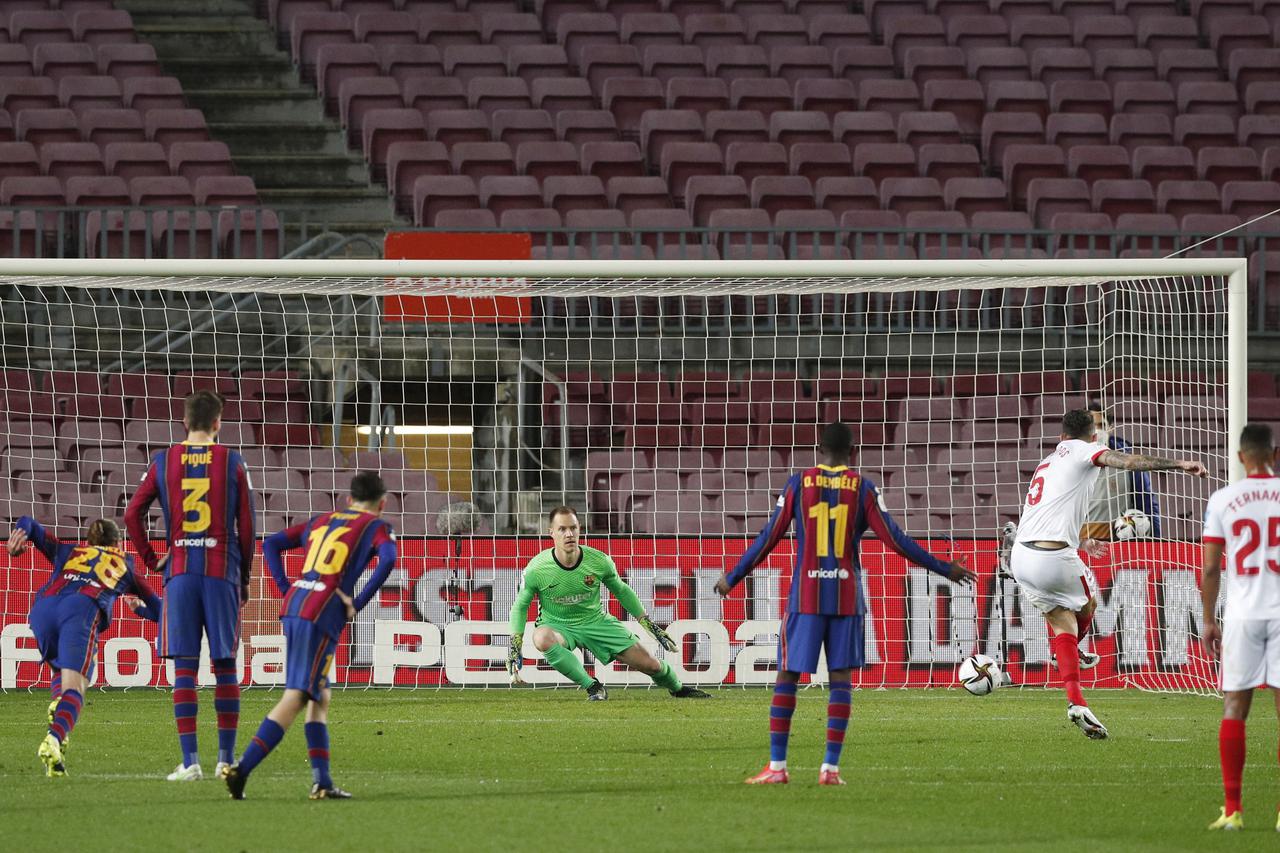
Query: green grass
x=506, y=770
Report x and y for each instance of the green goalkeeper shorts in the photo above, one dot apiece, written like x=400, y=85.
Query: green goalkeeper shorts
x=605, y=638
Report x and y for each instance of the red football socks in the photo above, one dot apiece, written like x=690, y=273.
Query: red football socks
x=1231, y=750
x=1064, y=649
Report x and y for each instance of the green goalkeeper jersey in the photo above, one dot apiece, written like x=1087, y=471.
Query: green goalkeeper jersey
x=570, y=595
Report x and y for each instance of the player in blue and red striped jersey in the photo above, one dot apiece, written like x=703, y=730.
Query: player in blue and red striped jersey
x=207, y=502
x=317, y=606
x=831, y=506
x=72, y=607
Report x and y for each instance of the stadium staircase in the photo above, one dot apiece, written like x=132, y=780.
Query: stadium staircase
x=232, y=69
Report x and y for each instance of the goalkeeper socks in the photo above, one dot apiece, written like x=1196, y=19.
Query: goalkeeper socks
x=1231, y=751
x=55, y=684
x=318, y=752
x=268, y=736
x=1082, y=625
x=1065, y=650
x=184, y=708
x=666, y=677
x=226, y=702
x=567, y=664
x=784, y=705
x=837, y=720
x=66, y=714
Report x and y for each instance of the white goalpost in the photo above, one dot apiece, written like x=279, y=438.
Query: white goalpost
x=667, y=402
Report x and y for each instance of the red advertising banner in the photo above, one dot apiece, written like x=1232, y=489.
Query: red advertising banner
x=441, y=618
x=427, y=245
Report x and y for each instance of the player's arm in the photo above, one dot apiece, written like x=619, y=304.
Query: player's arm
x=1210, y=580
x=150, y=602
x=519, y=616
x=1140, y=462
x=888, y=532
x=1215, y=543
x=768, y=538
x=273, y=548
x=135, y=517
x=27, y=529
x=630, y=602
x=246, y=528
x=386, y=544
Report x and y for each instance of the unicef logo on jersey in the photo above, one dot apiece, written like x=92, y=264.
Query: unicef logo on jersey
x=827, y=574
x=197, y=542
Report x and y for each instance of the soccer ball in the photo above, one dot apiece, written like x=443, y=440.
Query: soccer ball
x=1132, y=524
x=979, y=674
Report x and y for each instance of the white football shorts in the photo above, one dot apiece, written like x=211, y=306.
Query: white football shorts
x=1052, y=579
x=1250, y=653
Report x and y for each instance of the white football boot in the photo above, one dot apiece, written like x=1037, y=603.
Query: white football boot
x=187, y=773
x=1082, y=717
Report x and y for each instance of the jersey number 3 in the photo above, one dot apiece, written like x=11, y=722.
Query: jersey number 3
x=194, y=493
x=1252, y=534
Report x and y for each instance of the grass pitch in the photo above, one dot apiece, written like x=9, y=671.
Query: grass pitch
x=545, y=770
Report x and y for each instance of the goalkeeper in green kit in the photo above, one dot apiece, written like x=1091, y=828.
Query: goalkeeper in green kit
x=566, y=580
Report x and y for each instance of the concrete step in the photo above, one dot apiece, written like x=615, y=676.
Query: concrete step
x=254, y=105
x=217, y=39
x=285, y=171
x=352, y=204
x=142, y=9
x=233, y=72
x=267, y=137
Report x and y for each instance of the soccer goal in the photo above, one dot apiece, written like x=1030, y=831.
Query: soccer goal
x=667, y=402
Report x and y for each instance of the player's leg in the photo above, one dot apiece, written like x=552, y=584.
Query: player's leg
x=638, y=658
x=270, y=733
x=308, y=656
x=317, y=728
x=1062, y=631
x=1054, y=581
x=1244, y=665
x=557, y=648
x=845, y=652
x=1084, y=618
x=221, y=606
x=76, y=647
x=181, y=631
x=799, y=643
x=1231, y=752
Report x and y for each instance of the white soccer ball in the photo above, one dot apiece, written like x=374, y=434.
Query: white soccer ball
x=1132, y=524
x=979, y=674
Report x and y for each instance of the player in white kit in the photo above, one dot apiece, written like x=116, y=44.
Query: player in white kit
x=1242, y=520
x=1045, y=561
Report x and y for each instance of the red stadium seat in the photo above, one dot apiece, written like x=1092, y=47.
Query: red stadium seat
x=1159, y=163
x=1197, y=132
x=532, y=61
x=151, y=93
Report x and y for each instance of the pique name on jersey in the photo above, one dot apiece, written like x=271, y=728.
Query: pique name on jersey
x=203, y=458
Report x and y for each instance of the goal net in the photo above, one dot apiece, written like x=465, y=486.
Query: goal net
x=668, y=402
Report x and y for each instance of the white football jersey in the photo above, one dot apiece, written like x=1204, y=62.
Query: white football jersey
x=1245, y=517
x=1058, y=498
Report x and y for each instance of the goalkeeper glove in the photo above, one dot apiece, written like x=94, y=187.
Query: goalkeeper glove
x=515, y=659
x=663, y=638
